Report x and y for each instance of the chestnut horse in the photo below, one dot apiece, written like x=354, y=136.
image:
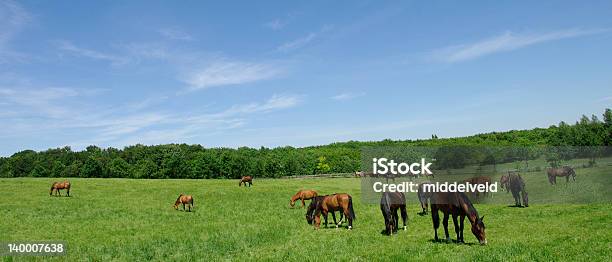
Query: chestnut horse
x=390, y=202
x=303, y=195
x=504, y=182
x=456, y=204
x=246, y=180
x=185, y=200
x=57, y=186
x=565, y=171
x=330, y=203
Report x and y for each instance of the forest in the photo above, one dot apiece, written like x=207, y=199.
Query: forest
x=184, y=161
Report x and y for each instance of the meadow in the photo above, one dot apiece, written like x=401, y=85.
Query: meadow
x=132, y=219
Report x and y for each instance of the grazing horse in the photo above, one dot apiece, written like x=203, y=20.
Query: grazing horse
x=456, y=204
x=516, y=185
x=246, y=180
x=57, y=186
x=324, y=204
x=479, y=180
x=303, y=195
x=423, y=197
x=185, y=200
x=390, y=202
x=565, y=171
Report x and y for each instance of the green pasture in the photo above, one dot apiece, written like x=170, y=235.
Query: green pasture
x=127, y=219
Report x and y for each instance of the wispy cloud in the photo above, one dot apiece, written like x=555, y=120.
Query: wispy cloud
x=92, y=54
x=175, y=34
x=605, y=99
x=276, y=102
x=14, y=18
x=276, y=24
x=302, y=41
x=223, y=73
x=347, y=96
x=507, y=41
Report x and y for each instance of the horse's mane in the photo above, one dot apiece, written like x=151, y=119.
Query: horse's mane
x=470, y=208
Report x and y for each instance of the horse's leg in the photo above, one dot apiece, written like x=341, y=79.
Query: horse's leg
x=456, y=227
x=461, y=228
x=566, y=179
x=347, y=215
x=325, y=217
x=333, y=213
x=525, y=198
x=404, y=215
x=435, y=218
x=183, y=206
x=68, y=192
x=445, y=224
x=303, y=204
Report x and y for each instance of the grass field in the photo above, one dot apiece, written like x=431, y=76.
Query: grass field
x=123, y=219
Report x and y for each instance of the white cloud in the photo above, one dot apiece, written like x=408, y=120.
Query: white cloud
x=276, y=24
x=347, y=96
x=222, y=73
x=507, y=41
x=13, y=18
x=175, y=34
x=302, y=41
x=276, y=102
x=96, y=55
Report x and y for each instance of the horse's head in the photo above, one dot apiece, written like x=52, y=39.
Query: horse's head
x=478, y=229
x=312, y=208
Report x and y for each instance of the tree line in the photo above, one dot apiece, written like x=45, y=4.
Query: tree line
x=196, y=161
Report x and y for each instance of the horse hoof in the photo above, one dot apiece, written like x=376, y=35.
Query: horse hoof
x=350, y=227
x=404, y=228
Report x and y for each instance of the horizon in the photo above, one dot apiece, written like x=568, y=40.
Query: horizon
x=275, y=74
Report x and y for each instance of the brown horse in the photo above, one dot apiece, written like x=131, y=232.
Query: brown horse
x=423, y=197
x=516, y=185
x=390, y=202
x=185, y=200
x=303, y=195
x=246, y=180
x=479, y=180
x=324, y=204
x=565, y=171
x=57, y=186
x=504, y=182
x=456, y=204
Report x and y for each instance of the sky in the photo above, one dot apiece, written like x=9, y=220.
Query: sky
x=278, y=73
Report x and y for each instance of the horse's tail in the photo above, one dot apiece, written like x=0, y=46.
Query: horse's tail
x=350, y=207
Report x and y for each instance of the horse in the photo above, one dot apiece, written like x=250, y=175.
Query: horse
x=185, y=200
x=504, y=182
x=390, y=202
x=303, y=195
x=456, y=204
x=316, y=203
x=245, y=180
x=565, y=171
x=423, y=197
x=479, y=180
x=330, y=203
x=516, y=185
x=57, y=186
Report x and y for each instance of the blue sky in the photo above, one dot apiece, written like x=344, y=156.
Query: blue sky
x=275, y=73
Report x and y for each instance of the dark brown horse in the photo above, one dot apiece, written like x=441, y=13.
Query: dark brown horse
x=390, y=202
x=479, y=180
x=456, y=204
x=246, y=180
x=516, y=185
x=565, y=171
x=424, y=197
x=185, y=200
x=324, y=204
x=303, y=195
x=57, y=186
